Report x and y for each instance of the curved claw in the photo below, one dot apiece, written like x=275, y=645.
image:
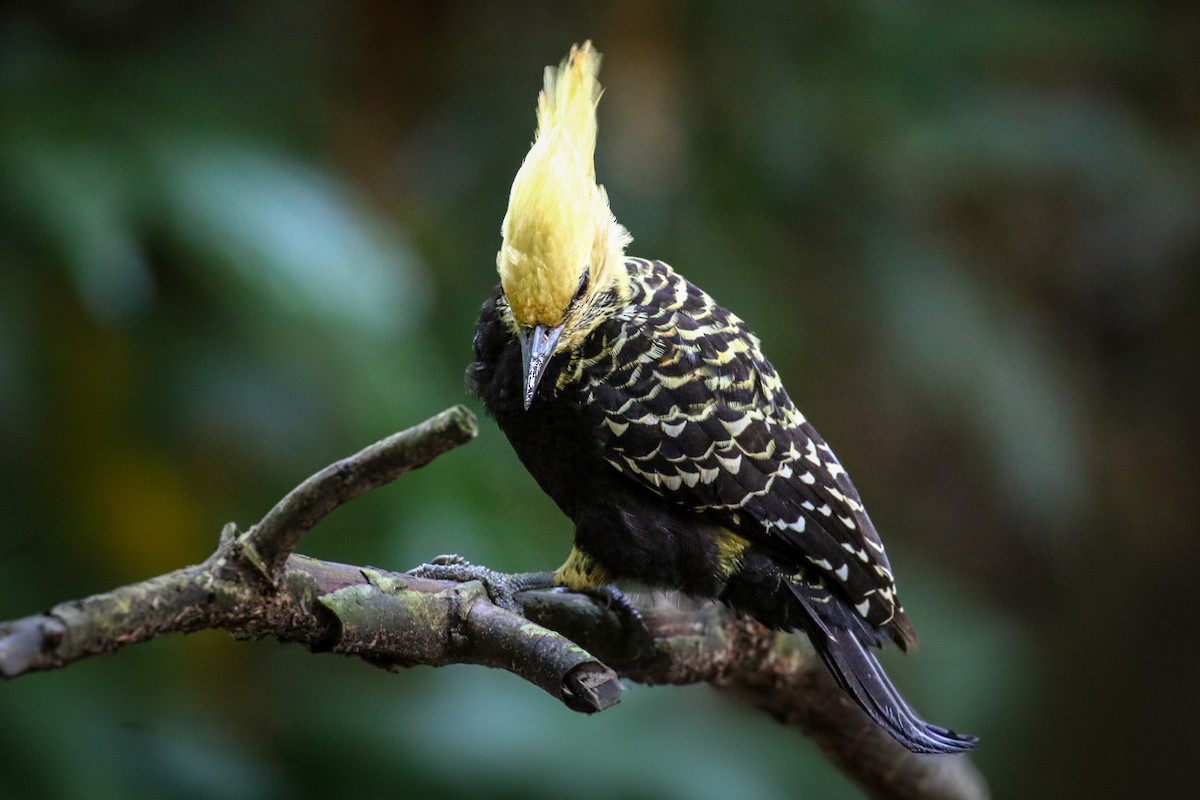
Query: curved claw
x=616, y=601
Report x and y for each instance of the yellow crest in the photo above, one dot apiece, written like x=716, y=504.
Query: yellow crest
x=558, y=222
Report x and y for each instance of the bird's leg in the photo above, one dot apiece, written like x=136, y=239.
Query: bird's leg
x=501, y=587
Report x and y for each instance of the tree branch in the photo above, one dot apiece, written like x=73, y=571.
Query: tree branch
x=269, y=543
x=254, y=586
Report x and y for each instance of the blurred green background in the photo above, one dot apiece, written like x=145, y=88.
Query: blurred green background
x=239, y=240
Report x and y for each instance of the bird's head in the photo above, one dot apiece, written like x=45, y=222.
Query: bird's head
x=561, y=259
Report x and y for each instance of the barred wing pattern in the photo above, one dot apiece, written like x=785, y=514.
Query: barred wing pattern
x=683, y=400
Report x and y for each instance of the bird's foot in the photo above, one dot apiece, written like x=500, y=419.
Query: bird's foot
x=616, y=601
x=501, y=587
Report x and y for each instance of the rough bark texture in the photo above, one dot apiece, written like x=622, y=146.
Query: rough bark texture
x=254, y=586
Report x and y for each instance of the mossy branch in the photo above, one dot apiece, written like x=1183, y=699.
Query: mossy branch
x=255, y=586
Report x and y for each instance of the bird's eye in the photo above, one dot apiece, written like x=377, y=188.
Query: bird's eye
x=583, y=283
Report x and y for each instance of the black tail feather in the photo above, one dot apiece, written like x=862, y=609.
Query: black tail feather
x=858, y=672
x=844, y=640
x=844, y=647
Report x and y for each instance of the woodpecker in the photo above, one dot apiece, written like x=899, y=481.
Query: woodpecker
x=651, y=417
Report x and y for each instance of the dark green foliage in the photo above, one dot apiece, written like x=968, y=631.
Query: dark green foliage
x=238, y=240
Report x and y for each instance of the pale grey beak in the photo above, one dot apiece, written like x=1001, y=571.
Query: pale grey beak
x=537, y=345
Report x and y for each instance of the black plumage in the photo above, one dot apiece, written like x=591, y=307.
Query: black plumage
x=667, y=437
